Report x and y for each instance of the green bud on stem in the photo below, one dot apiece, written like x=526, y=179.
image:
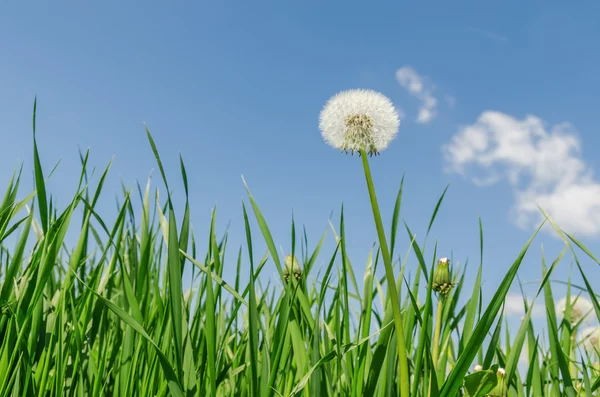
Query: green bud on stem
x=292, y=267
x=442, y=281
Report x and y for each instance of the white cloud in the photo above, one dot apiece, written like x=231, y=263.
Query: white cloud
x=544, y=166
x=417, y=86
x=513, y=306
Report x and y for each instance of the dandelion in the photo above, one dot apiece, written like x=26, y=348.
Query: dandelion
x=359, y=120
x=442, y=282
x=477, y=368
x=590, y=337
x=365, y=121
x=500, y=390
x=580, y=308
x=291, y=268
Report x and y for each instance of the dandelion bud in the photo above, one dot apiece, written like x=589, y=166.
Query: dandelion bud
x=500, y=390
x=356, y=120
x=292, y=267
x=442, y=283
x=478, y=367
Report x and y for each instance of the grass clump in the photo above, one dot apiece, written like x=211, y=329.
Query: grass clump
x=109, y=315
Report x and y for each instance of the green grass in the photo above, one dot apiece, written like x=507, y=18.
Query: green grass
x=109, y=315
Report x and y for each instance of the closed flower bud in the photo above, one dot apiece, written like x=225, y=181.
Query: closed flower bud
x=442, y=282
x=292, y=268
x=500, y=390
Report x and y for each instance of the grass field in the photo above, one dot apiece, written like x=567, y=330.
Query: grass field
x=109, y=315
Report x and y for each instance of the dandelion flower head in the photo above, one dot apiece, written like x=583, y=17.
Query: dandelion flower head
x=355, y=120
x=590, y=337
x=580, y=308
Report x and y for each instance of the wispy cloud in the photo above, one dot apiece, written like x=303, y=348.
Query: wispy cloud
x=420, y=88
x=544, y=167
x=488, y=33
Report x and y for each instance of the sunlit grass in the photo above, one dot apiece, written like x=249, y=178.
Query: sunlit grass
x=109, y=316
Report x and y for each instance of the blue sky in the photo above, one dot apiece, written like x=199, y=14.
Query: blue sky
x=237, y=90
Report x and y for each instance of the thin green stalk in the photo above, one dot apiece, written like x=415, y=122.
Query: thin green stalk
x=436, y=333
x=391, y=281
x=572, y=355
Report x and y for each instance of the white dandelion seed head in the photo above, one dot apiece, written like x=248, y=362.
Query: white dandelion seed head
x=590, y=337
x=580, y=308
x=477, y=367
x=501, y=372
x=358, y=119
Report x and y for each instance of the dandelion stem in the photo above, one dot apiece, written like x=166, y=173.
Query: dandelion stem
x=436, y=334
x=572, y=358
x=389, y=271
